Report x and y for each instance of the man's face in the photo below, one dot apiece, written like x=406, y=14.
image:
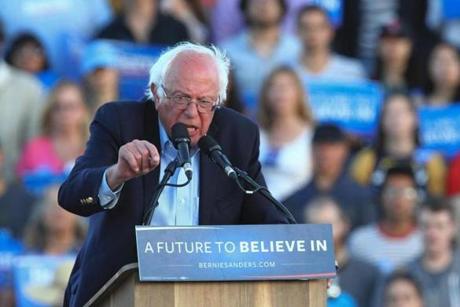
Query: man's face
x=195, y=76
x=315, y=31
x=329, y=157
x=264, y=12
x=438, y=230
x=399, y=198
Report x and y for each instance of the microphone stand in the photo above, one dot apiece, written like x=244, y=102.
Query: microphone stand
x=266, y=193
x=169, y=171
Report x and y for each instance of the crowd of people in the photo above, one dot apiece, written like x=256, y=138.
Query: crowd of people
x=393, y=204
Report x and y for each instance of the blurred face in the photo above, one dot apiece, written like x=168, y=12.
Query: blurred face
x=69, y=110
x=315, y=31
x=399, y=120
x=399, y=198
x=193, y=76
x=30, y=58
x=402, y=293
x=264, y=13
x=445, y=67
x=104, y=80
x=395, y=50
x=283, y=95
x=438, y=231
x=57, y=219
x=329, y=214
x=329, y=158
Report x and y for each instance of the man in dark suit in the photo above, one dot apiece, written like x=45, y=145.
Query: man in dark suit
x=113, y=182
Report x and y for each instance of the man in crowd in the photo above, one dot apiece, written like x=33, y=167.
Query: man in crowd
x=330, y=153
x=356, y=277
x=438, y=269
x=317, y=61
x=261, y=47
x=128, y=150
x=395, y=239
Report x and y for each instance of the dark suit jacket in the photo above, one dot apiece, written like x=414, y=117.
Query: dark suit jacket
x=110, y=242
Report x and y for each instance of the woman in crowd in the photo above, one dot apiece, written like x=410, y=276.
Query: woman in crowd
x=27, y=53
x=443, y=86
x=397, y=141
x=64, y=133
x=402, y=290
x=286, y=130
x=396, y=67
x=52, y=230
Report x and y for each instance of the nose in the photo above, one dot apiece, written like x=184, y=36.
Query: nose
x=192, y=109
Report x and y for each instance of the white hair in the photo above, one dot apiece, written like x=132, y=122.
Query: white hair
x=160, y=67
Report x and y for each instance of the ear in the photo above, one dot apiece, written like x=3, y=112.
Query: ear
x=155, y=97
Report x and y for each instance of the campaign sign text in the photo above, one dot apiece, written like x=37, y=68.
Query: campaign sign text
x=352, y=106
x=440, y=129
x=237, y=252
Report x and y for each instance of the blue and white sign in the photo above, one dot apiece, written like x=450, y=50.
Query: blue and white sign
x=240, y=252
x=355, y=107
x=440, y=129
x=40, y=281
x=333, y=8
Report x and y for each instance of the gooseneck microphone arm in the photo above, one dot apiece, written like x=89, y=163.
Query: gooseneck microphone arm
x=209, y=146
x=256, y=187
x=169, y=171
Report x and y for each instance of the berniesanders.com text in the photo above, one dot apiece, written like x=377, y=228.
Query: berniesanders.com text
x=236, y=264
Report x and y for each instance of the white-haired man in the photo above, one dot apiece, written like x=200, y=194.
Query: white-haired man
x=113, y=182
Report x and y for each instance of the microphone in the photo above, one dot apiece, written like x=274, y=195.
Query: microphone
x=209, y=146
x=181, y=142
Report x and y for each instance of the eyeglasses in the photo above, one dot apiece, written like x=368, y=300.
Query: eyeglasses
x=181, y=102
x=408, y=193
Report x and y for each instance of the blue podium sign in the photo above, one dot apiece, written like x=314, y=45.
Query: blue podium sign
x=236, y=252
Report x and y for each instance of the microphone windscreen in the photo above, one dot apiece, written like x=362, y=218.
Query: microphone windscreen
x=179, y=131
x=207, y=144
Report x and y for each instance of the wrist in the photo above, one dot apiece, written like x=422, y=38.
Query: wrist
x=114, y=181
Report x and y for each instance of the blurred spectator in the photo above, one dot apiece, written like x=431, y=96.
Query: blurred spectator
x=260, y=48
x=355, y=276
x=52, y=230
x=101, y=77
x=15, y=203
x=286, y=131
x=60, y=24
x=64, y=133
x=27, y=53
x=453, y=178
x=443, y=86
x=403, y=290
x=396, y=67
x=438, y=269
x=448, y=29
x=191, y=13
x=330, y=152
x=317, y=61
x=397, y=141
x=20, y=110
x=395, y=239
x=142, y=22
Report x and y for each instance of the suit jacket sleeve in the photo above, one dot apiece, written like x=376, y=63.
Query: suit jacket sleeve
x=79, y=193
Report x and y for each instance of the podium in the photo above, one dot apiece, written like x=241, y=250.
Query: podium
x=124, y=289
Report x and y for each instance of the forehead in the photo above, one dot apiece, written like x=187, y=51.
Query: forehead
x=400, y=180
x=192, y=71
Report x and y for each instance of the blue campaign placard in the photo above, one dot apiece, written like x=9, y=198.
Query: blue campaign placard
x=440, y=128
x=333, y=8
x=450, y=9
x=355, y=107
x=236, y=252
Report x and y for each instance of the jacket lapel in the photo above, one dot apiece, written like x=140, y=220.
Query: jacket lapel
x=152, y=135
x=209, y=173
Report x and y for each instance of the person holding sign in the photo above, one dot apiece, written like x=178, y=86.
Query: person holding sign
x=129, y=148
x=397, y=141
